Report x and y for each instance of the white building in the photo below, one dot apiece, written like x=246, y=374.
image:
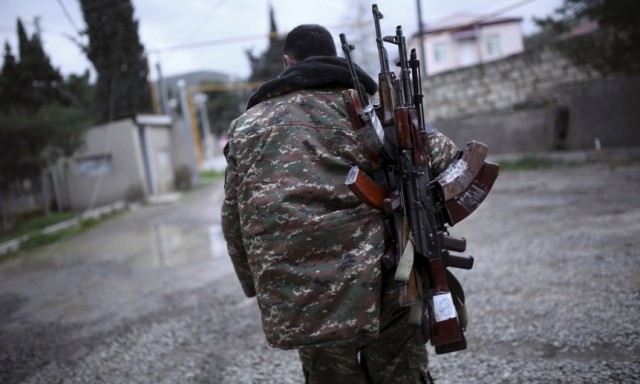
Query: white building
x=128, y=159
x=463, y=40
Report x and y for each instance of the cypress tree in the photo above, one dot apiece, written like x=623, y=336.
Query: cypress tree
x=268, y=65
x=118, y=56
x=35, y=78
x=9, y=88
x=36, y=122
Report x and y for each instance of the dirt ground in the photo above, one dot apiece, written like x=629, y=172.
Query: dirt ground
x=150, y=296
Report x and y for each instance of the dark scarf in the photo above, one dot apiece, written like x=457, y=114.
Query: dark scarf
x=312, y=72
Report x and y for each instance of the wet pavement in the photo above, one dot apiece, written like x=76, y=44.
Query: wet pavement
x=125, y=266
x=149, y=296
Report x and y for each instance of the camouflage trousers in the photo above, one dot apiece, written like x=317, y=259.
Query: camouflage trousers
x=395, y=356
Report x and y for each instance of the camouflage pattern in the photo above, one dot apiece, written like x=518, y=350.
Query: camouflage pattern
x=300, y=241
x=393, y=357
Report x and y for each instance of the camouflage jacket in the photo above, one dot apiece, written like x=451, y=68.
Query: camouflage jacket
x=298, y=238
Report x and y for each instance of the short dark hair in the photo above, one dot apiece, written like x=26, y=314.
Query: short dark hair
x=308, y=40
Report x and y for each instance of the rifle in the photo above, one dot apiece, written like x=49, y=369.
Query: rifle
x=416, y=206
x=419, y=207
x=362, y=115
x=386, y=77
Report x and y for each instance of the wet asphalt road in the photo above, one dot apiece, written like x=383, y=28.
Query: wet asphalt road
x=149, y=296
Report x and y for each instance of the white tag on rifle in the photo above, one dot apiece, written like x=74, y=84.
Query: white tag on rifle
x=443, y=307
x=406, y=263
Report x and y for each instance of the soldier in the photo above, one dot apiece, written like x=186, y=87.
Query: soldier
x=300, y=241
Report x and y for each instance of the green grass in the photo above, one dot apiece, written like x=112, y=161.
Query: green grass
x=208, y=177
x=36, y=224
x=37, y=239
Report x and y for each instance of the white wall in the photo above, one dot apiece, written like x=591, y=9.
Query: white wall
x=457, y=55
x=159, y=145
x=118, y=141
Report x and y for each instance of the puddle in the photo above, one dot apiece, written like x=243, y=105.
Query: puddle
x=158, y=245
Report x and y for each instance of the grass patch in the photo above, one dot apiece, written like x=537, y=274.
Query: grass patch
x=208, y=177
x=35, y=225
x=37, y=239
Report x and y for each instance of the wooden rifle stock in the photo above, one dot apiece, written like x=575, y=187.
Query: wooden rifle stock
x=387, y=97
x=354, y=108
x=365, y=189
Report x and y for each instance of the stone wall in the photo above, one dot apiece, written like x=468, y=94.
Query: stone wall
x=528, y=77
x=534, y=101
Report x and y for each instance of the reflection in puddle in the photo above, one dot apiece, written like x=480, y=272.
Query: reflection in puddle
x=174, y=245
x=159, y=245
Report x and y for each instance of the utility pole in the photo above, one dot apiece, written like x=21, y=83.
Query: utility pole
x=191, y=146
x=423, y=56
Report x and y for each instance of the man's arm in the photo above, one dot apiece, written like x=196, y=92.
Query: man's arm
x=231, y=226
x=442, y=151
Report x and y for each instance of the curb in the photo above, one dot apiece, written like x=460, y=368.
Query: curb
x=14, y=245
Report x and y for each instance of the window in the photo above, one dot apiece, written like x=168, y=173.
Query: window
x=493, y=45
x=468, y=51
x=441, y=52
x=92, y=166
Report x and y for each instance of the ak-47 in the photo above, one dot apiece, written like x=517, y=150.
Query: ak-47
x=420, y=209
x=386, y=77
x=417, y=207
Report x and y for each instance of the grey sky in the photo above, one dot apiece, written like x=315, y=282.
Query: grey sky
x=237, y=25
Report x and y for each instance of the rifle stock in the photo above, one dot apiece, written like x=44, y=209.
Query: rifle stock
x=387, y=99
x=354, y=108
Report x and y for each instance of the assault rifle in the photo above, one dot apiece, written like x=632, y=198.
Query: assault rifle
x=416, y=205
x=386, y=77
x=419, y=207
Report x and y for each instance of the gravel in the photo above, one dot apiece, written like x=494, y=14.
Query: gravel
x=554, y=297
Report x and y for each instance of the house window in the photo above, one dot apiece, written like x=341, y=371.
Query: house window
x=468, y=51
x=493, y=45
x=92, y=166
x=441, y=52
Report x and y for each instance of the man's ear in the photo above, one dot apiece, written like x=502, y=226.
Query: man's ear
x=288, y=61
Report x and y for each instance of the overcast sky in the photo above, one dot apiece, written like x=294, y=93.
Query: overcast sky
x=220, y=31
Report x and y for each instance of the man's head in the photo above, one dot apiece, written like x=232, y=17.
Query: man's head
x=307, y=40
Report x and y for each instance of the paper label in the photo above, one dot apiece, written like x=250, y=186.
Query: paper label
x=443, y=307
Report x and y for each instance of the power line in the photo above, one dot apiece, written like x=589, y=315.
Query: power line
x=68, y=16
x=230, y=40
x=204, y=20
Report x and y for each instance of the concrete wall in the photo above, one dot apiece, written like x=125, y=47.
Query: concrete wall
x=180, y=155
x=607, y=109
x=504, y=132
x=120, y=142
x=159, y=145
x=122, y=171
x=603, y=109
x=534, y=101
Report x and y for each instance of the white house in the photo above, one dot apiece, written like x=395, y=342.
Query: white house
x=463, y=40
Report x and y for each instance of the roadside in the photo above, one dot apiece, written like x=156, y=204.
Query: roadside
x=150, y=297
